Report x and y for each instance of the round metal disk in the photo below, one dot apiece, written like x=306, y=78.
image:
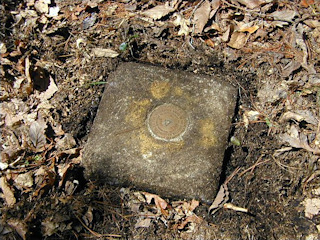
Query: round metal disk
x=167, y=122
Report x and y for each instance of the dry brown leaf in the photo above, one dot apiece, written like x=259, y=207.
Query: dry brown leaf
x=104, y=52
x=193, y=205
x=144, y=223
x=48, y=180
x=312, y=23
x=159, y=11
x=51, y=90
x=284, y=15
x=290, y=67
x=88, y=216
x=159, y=202
x=201, y=17
x=312, y=207
x=300, y=115
x=42, y=6
x=24, y=180
x=3, y=48
x=67, y=142
x=62, y=171
x=8, y=194
x=306, y=3
x=221, y=198
x=37, y=135
x=190, y=219
x=238, y=40
x=20, y=227
x=183, y=23
x=300, y=141
x=251, y=3
x=249, y=29
x=215, y=4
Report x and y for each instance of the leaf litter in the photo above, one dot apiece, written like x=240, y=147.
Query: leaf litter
x=76, y=44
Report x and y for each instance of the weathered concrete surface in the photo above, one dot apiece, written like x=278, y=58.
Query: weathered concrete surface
x=161, y=130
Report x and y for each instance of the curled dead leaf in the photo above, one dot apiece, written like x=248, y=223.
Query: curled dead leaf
x=159, y=11
x=238, y=40
x=312, y=207
x=37, y=135
x=103, y=52
x=183, y=23
x=159, y=202
x=251, y=3
x=221, y=198
x=19, y=226
x=8, y=194
x=201, y=16
x=51, y=90
x=144, y=223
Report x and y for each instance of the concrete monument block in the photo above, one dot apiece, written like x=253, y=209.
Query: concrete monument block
x=162, y=131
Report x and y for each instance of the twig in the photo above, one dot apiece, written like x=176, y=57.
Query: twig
x=98, y=235
x=257, y=163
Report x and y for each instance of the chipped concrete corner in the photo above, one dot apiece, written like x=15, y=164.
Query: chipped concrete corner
x=161, y=130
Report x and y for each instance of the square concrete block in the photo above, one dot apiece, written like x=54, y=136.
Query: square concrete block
x=162, y=131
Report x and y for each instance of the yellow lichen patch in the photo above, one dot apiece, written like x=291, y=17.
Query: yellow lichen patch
x=159, y=89
x=208, y=139
x=178, y=91
x=137, y=112
x=149, y=144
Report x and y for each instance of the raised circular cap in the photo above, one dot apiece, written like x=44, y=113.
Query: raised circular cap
x=167, y=122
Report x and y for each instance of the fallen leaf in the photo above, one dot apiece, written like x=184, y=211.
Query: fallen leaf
x=249, y=29
x=284, y=15
x=183, y=23
x=53, y=11
x=49, y=226
x=312, y=23
x=67, y=142
x=51, y=90
x=238, y=40
x=300, y=115
x=221, y=198
x=300, y=141
x=290, y=67
x=89, y=21
x=251, y=3
x=24, y=180
x=104, y=52
x=62, y=171
x=42, y=6
x=312, y=207
x=88, y=216
x=300, y=41
x=47, y=181
x=144, y=223
x=306, y=3
x=215, y=4
x=3, y=48
x=8, y=194
x=37, y=135
x=201, y=17
x=20, y=227
x=159, y=11
x=193, y=205
x=159, y=202
x=190, y=219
